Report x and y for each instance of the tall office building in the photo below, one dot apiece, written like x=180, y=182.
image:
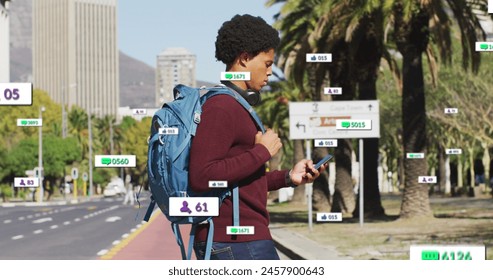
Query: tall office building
x=75, y=53
x=174, y=66
x=4, y=42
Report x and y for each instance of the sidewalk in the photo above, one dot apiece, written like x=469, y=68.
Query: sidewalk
x=152, y=241
x=155, y=241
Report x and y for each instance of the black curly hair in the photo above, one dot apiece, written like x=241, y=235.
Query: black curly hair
x=244, y=33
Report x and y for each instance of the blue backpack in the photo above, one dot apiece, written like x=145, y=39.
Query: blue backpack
x=168, y=157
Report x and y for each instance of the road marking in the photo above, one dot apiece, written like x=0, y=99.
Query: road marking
x=113, y=251
x=17, y=237
x=66, y=223
x=53, y=226
x=116, y=242
x=102, y=252
x=39, y=221
x=7, y=221
x=38, y=231
x=21, y=218
x=76, y=220
x=37, y=215
x=125, y=235
x=30, y=216
x=113, y=219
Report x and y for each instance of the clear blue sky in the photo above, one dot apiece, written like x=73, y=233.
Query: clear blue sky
x=145, y=28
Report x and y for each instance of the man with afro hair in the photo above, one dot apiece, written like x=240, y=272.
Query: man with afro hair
x=228, y=146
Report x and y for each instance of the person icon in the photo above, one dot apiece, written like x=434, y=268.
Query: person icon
x=22, y=182
x=424, y=179
x=185, y=208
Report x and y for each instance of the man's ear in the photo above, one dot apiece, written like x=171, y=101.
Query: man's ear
x=243, y=58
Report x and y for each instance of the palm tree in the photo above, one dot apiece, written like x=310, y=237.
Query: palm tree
x=355, y=39
x=109, y=134
x=415, y=22
x=77, y=118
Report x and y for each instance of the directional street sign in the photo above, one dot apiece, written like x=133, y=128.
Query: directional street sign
x=316, y=120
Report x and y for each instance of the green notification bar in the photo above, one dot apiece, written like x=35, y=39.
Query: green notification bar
x=115, y=161
x=106, y=161
x=430, y=255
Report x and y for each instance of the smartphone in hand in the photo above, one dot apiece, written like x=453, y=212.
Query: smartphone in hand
x=323, y=161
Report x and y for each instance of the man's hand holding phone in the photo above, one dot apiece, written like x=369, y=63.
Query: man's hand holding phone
x=306, y=172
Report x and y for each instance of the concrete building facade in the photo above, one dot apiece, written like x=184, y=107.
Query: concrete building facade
x=75, y=53
x=174, y=66
x=4, y=42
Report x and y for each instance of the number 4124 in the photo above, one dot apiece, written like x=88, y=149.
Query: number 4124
x=456, y=256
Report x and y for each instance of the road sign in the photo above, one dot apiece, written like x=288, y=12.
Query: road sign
x=84, y=176
x=315, y=120
x=75, y=173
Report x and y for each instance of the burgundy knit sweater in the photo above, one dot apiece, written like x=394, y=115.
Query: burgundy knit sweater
x=224, y=149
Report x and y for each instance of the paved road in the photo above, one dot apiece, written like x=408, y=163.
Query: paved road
x=73, y=231
x=99, y=229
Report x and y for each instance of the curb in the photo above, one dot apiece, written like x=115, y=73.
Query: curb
x=298, y=247
x=118, y=247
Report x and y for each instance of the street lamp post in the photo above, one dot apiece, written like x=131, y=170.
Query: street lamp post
x=40, y=155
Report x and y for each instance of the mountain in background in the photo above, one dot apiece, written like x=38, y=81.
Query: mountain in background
x=137, y=79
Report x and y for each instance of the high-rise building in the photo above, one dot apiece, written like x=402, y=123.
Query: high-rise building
x=75, y=53
x=4, y=42
x=174, y=66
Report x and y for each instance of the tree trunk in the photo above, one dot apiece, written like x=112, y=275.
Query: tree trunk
x=441, y=168
x=486, y=164
x=321, y=193
x=372, y=201
x=460, y=177
x=448, y=186
x=412, y=39
x=299, y=154
x=471, y=169
x=344, y=198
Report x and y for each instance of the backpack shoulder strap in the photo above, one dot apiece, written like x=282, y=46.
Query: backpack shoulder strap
x=225, y=90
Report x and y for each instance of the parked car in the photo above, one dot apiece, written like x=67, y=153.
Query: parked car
x=115, y=188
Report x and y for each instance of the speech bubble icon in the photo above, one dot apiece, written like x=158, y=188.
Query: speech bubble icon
x=345, y=124
x=234, y=230
x=483, y=46
x=106, y=161
x=23, y=122
x=228, y=76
